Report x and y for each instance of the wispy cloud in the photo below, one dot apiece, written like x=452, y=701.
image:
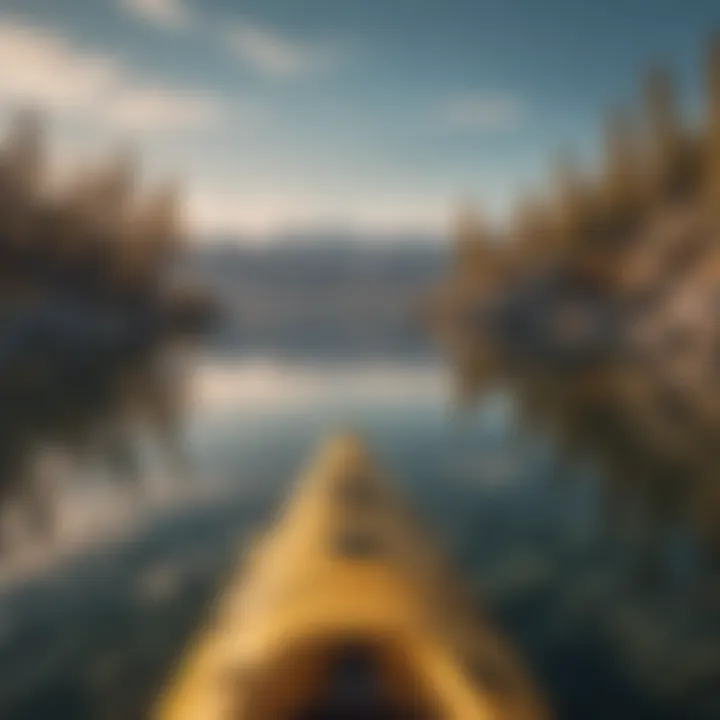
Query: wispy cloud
x=273, y=53
x=173, y=15
x=483, y=112
x=53, y=73
x=267, y=50
x=58, y=77
x=263, y=214
x=150, y=109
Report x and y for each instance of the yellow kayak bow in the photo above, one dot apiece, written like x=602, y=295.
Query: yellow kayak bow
x=344, y=610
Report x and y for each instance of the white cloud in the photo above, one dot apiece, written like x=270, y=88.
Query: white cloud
x=58, y=77
x=263, y=48
x=171, y=15
x=156, y=109
x=273, y=53
x=260, y=215
x=37, y=67
x=483, y=112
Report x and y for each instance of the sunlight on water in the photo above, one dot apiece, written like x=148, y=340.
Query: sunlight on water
x=261, y=384
x=90, y=508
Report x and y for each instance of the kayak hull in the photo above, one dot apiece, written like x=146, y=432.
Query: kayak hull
x=345, y=600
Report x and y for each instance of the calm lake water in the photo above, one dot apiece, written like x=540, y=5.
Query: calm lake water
x=127, y=508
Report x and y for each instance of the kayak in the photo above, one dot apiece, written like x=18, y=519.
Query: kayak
x=345, y=609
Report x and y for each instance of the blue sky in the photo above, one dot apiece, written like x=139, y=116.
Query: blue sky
x=371, y=114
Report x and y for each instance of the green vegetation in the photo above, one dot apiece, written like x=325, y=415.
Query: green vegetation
x=597, y=228
x=90, y=239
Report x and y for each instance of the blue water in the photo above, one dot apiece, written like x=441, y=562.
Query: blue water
x=610, y=622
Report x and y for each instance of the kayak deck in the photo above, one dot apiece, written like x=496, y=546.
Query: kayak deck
x=343, y=609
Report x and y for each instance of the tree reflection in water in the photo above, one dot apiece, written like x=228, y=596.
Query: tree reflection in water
x=112, y=426
x=646, y=586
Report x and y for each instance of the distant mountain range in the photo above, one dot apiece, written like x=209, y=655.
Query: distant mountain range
x=322, y=293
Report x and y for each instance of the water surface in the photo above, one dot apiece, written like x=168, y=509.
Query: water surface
x=143, y=502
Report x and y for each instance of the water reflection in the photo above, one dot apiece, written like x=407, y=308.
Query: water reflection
x=652, y=439
x=106, y=430
x=638, y=473
x=580, y=510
